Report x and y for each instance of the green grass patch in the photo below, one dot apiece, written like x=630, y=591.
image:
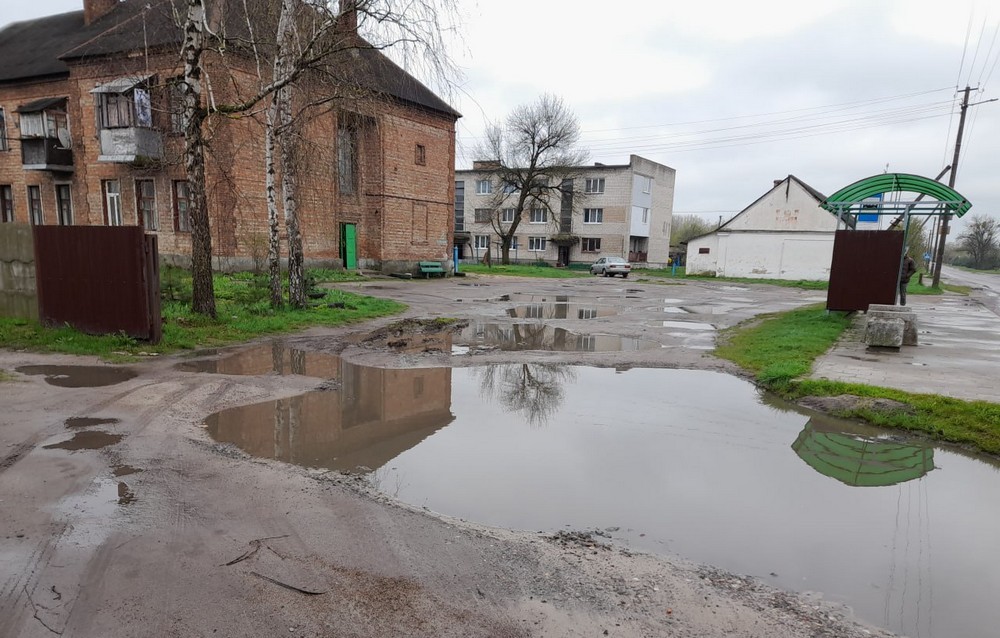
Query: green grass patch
x=524, y=270
x=780, y=348
x=243, y=313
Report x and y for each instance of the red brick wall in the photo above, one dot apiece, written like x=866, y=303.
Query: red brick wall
x=403, y=209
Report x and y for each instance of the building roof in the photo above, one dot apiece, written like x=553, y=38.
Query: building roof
x=31, y=49
x=42, y=47
x=815, y=194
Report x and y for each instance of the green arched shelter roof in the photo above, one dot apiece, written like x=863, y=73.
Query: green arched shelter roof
x=954, y=202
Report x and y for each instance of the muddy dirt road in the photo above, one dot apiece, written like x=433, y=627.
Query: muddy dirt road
x=121, y=517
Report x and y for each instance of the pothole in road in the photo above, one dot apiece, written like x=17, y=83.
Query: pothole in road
x=87, y=421
x=532, y=336
x=79, y=376
x=686, y=462
x=86, y=440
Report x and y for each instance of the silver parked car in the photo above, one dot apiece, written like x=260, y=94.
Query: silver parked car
x=611, y=266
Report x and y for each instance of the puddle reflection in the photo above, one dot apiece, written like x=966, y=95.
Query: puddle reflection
x=859, y=460
x=375, y=415
x=537, y=336
x=559, y=307
x=274, y=357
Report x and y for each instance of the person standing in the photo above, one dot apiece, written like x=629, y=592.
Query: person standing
x=909, y=267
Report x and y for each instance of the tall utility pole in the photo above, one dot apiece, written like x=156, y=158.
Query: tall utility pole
x=943, y=232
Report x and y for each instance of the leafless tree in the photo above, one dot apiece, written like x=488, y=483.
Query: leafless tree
x=981, y=242
x=532, y=158
x=533, y=390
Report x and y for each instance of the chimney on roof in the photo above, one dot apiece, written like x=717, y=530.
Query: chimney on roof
x=96, y=9
x=348, y=18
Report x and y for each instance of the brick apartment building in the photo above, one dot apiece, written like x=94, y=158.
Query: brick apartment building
x=614, y=210
x=90, y=133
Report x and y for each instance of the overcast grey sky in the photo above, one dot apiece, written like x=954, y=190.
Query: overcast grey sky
x=735, y=94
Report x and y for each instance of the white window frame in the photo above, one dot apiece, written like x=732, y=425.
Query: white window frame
x=484, y=187
x=589, y=215
x=645, y=215
x=539, y=212
x=537, y=244
x=64, y=217
x=152, y=222
x=509, y=189
x=507, y=215
x=480, y=240
x=113, y=213
x=35, y=217
x=594, y=185
x=647, y=183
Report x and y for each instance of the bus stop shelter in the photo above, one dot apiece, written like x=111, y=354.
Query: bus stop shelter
x=867, y=264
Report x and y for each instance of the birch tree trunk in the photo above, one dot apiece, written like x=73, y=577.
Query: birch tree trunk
x=273, y=237
x=289, y=170
x=203, y=297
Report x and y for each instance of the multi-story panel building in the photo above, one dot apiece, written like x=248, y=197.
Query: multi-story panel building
x=623, y=210
x=91, y=132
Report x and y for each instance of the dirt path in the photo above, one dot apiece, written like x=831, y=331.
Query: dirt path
x=162, y=532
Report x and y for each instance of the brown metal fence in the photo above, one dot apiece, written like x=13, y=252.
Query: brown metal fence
x=864, y=269
x=99, y=279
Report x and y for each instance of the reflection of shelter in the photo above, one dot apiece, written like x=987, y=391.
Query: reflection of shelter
x=866, y=264
x=538, y=336
x=375, y=416
x=861, y=461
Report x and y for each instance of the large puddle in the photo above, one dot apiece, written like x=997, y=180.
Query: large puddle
x=693, y=463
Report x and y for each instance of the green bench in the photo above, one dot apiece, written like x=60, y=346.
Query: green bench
x=428, y=268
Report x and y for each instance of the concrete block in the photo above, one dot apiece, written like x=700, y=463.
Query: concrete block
x=909, y=317
x=884, y=332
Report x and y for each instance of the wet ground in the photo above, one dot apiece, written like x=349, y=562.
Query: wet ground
x=725, y=476
x=169, y=532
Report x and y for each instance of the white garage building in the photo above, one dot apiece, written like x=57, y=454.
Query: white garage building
x=782, y=235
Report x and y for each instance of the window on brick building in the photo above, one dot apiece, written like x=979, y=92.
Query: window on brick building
x=536, y=244
x=593, y=215
x=6, y=203
x=48, y=122
x=145, y=204
x=175, y=104
x=482, y=215
x=591, y=245
x=347, y=159
x=35, y=205
x=182, y=205
x=647, y=183
x=509, y=189
x=507, y=215
x=539, y=215
x=3, y=131
x=64, y=205
x=484, y=187
x=111, y=189
x=420, y=155
x=482, y=241
x=595, y=185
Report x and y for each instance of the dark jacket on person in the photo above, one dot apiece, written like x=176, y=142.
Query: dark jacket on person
x=909, y=267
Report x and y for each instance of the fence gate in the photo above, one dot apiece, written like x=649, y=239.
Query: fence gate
x=864, y=269
x=99, y=279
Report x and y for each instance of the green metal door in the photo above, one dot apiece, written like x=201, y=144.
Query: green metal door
x=349, y=245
